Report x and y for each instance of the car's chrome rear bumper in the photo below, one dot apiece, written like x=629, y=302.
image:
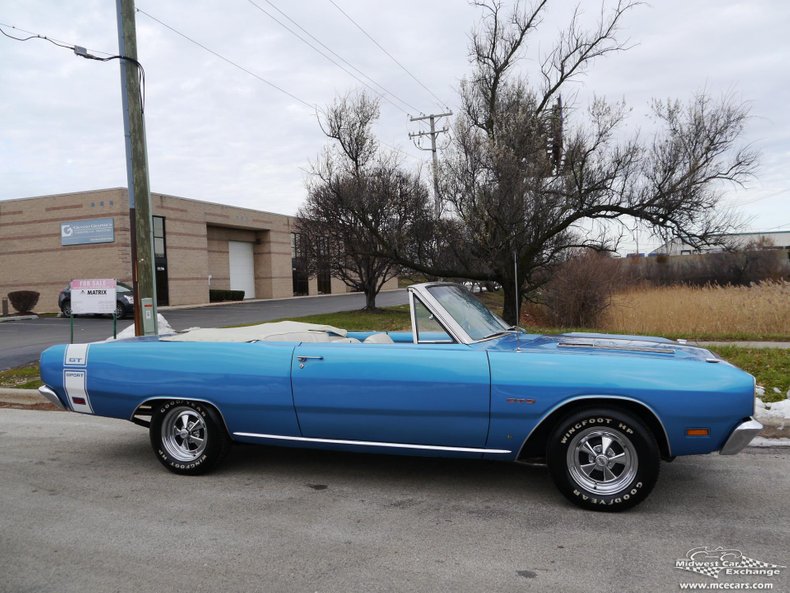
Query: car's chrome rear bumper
x=741, y=436
x=51, y=396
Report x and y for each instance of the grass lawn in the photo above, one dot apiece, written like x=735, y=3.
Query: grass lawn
x=24, y=377
x=771, y=367
x=389, y=319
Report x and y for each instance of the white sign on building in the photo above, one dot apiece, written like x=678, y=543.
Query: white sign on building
x=93, y=296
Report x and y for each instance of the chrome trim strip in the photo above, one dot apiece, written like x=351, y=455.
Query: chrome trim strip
x=741, y=436
x=370, y=443
x=413, y=315
x=443, y=317
x=582, y=397
x=51, y=396
x=656, y=350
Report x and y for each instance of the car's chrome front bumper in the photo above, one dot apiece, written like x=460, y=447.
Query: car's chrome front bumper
x=51, y=396
x=741, y=436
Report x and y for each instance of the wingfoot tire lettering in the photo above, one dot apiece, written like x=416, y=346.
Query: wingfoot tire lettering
x=603, y=459
x=188, y=437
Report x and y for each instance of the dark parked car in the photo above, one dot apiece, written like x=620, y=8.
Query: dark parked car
x=124, y=301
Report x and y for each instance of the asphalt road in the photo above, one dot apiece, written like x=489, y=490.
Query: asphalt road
x=85, y=507
x=23, y=341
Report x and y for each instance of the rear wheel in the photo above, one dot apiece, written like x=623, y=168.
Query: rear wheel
x=603, y=459
x=66, y=308
x=188, y=437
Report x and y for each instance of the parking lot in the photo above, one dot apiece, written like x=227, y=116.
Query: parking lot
x=87, y=508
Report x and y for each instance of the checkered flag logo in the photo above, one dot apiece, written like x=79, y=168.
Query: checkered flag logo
x=752, y=563
x=711, y=562
x=708, y=571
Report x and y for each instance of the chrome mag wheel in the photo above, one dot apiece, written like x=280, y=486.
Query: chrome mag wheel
x=184, y=433
x=602, y=461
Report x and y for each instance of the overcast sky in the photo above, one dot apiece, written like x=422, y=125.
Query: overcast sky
x=217, y=133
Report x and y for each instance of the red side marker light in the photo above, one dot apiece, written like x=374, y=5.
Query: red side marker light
x=80, y=401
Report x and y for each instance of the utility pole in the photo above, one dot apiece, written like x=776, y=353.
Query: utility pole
x=145, y=319
x=437, y=202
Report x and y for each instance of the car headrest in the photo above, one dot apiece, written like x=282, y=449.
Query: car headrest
x=378, y=339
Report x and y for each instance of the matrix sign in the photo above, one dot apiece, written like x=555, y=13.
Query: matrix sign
x=92, y=296
x=85, y=232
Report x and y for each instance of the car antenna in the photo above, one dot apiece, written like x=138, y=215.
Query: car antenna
x=515, y=274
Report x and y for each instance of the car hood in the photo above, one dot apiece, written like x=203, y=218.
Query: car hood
x=605, y=345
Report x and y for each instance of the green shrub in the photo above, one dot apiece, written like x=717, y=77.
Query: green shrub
x=216, y=295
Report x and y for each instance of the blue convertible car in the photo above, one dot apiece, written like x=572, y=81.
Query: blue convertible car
x=601, y=411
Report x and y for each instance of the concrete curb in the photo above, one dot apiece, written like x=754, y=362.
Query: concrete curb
x=23, y=398
x=17, y=318
x=773, y=428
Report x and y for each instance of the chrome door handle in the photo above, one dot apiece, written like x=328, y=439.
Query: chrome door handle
x=301, y=359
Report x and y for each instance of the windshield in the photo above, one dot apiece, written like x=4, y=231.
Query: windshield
x=468, y=312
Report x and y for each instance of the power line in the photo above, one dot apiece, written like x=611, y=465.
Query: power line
x=396, y=149
x=227, y=60
x=761, y=198
x=406, y=70
x=32, y=35
x=248, y=72
x=334, y=53
x=83, y=53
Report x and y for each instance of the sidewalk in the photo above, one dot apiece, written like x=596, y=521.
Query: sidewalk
x=30, y=399
x=785, y=345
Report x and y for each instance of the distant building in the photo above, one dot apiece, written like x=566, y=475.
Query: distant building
x=776, y=239
x=47, y=241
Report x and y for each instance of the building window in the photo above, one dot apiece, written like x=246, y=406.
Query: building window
x=159, y=236
x=324, y=275
x=298, y=267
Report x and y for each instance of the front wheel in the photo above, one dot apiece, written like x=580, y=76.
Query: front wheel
x=603, y=459
x=120, y=310
x=188, y=437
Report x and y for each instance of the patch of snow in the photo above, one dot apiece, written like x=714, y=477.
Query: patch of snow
x=776, y=414
x=763, y=442
x=780, y=409
x=164, y=328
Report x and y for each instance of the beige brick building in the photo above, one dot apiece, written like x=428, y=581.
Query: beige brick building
x=47, y=241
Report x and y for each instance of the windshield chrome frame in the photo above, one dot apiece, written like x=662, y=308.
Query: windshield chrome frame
x=454, y=328
x=413, y=311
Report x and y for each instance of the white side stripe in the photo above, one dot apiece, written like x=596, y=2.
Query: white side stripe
x=371, y=443
x=76, y=355
x=74, y=382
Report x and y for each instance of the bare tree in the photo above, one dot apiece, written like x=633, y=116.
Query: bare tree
x=521, y=184
x=357, y=194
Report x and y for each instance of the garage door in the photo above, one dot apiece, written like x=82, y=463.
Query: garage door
x=242, y=268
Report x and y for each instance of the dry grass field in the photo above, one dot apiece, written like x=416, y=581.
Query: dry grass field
x=714, y=312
